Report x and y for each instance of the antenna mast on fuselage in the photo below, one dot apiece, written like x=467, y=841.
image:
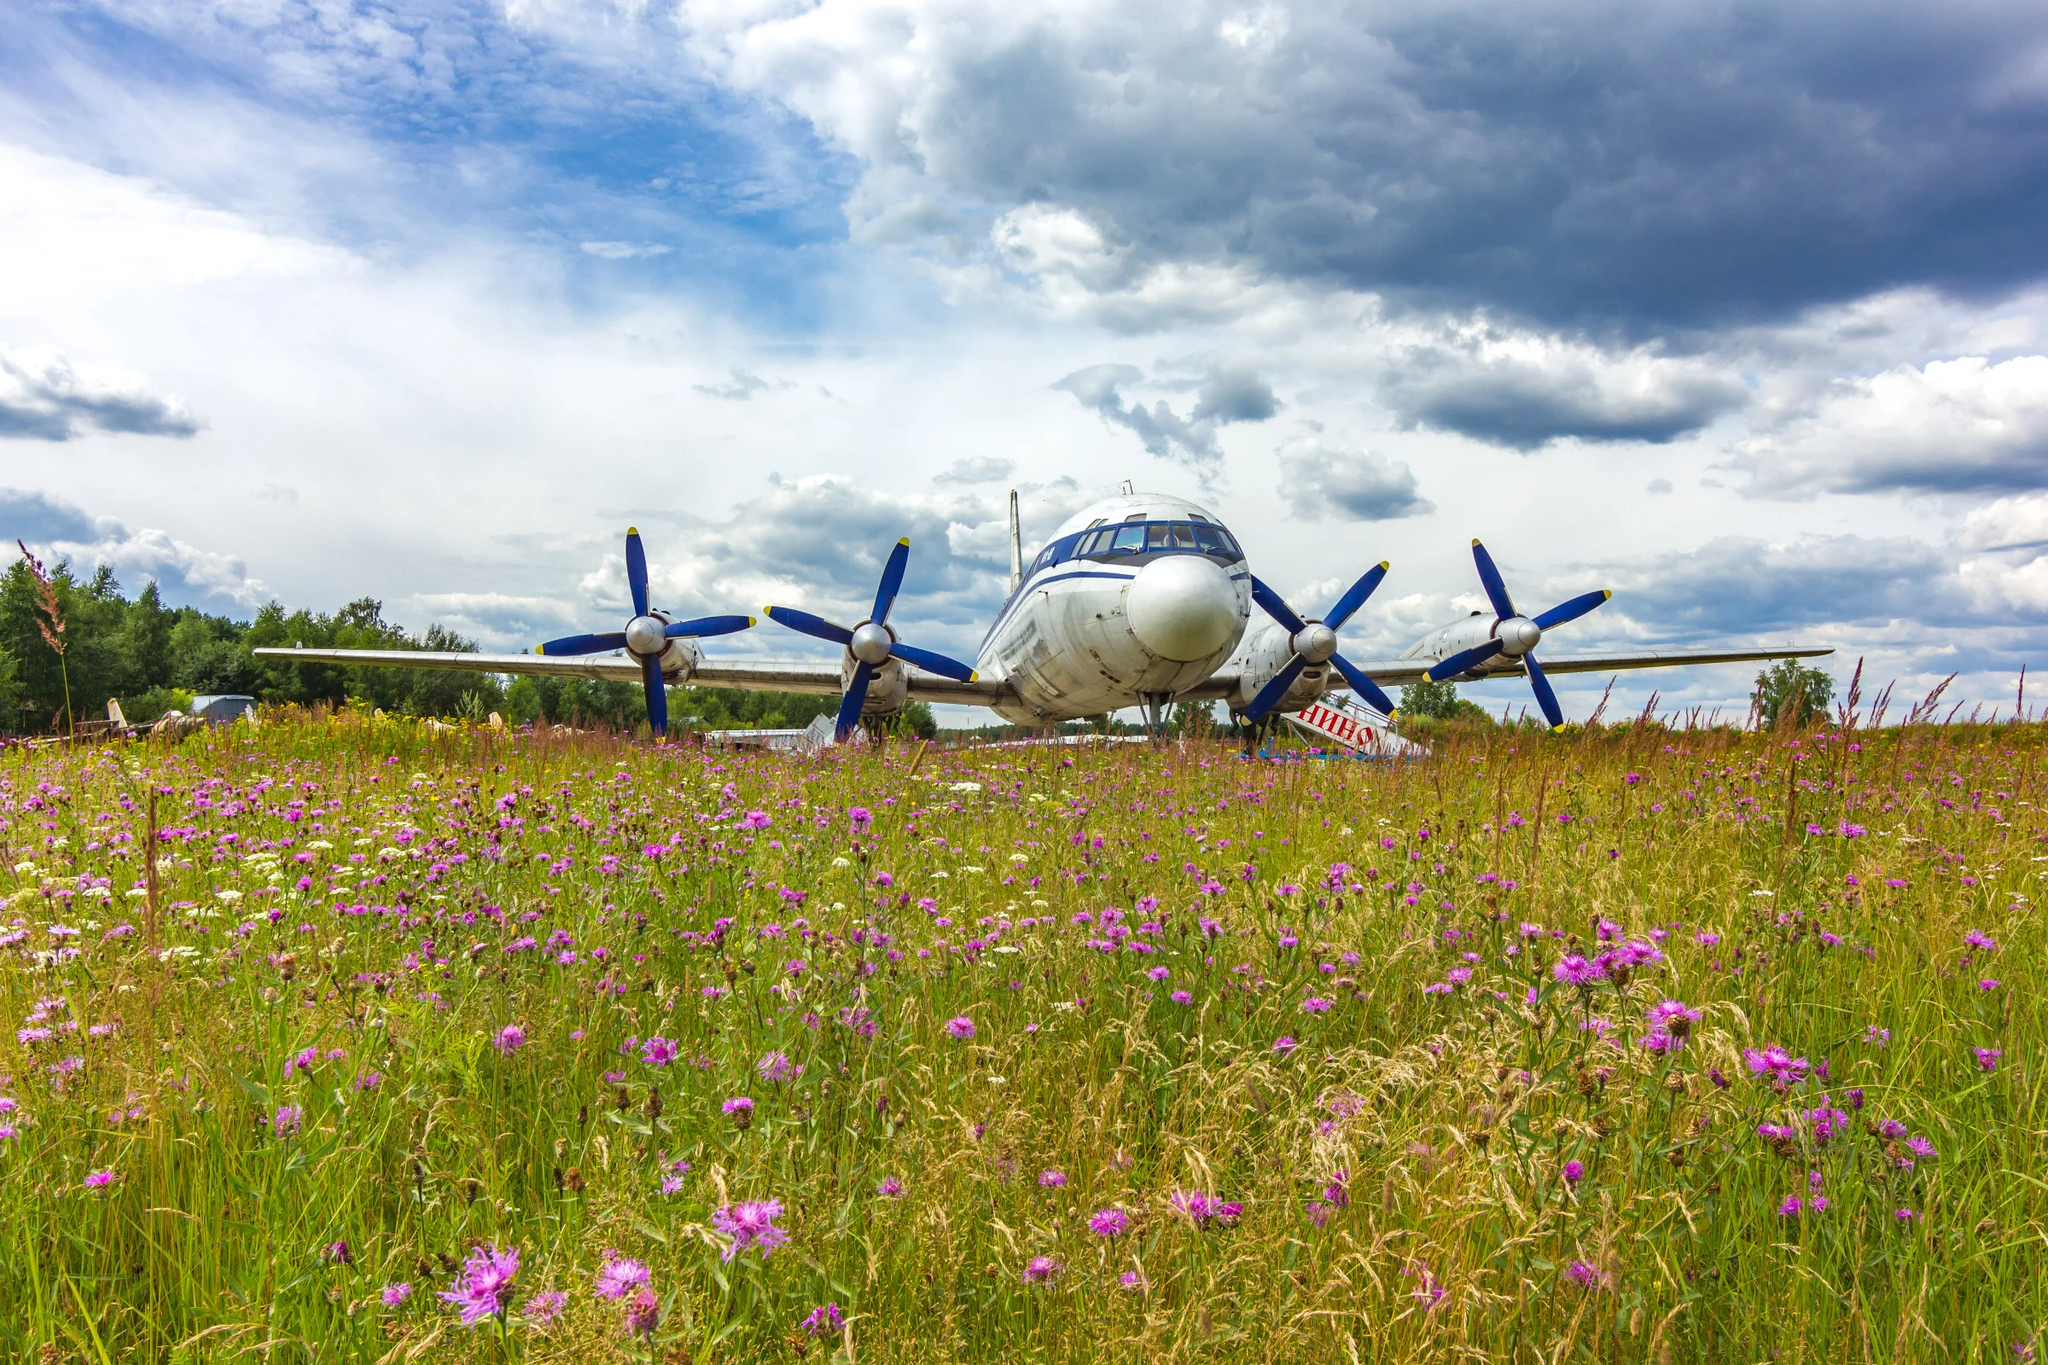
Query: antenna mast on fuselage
x=1016, y=547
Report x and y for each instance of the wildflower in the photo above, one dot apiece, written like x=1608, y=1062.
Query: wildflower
x=757, y=819
x=1181, y=998
x=1672, y=1017
x=750, y=1224
x=826, y=1318
x=1574, y=1172
x=1904, y=1216
x=1041, y=1270
x=341, y=1253
x=1205, y=1210
x=961, y=1028
x=776, y=1066
x=1987, y=1058
x=620, y=1277
x=1315, y=1004
x=509, y=1040
x=1587, y=1274
x=1877, y=1037
x=1051, y=1180
x=860, y=819
x=287, y=1120
x=1791, y=1207
x=99, y=1180
x=1109, y=1223
x=1574, y=970
x=486, y=1277
x=1284, y=1045
x=739, y=1109
x=1780, y=1066
x=889, y=1187
x=659, y=1052
x=1131, y=1281
x=643, y=1314
x=395, y=1295
x=543, y=1308
x=1426, y=1286
x=369, y=1080
x=1978, y=939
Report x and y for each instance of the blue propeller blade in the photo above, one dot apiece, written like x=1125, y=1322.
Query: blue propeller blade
x=1572, y=610
x=1275, y=688
x=636, y=570
x=808, y=624
x=1363, y=686
x=850, y=705
x=1463, y=661
x=892, y=581
x=1276, y=607
x=933, y=663
x=657, y=696
x=1545, y=698
x=1351, y=601
x=708, y=625
x=1489, y=578
x=583, y=644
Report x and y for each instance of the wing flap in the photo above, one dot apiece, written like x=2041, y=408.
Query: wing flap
x=611, y=667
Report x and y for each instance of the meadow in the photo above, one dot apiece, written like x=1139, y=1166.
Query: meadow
x=415, y=1044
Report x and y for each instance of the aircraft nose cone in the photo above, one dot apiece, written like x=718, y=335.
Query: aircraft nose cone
x=645, y=635
x=1183, y=608
x=1520, y=635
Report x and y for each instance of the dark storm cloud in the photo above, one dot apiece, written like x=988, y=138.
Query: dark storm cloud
x=1639, y=165
x=1320, y=483
x=43, y=397
x=1556, y=393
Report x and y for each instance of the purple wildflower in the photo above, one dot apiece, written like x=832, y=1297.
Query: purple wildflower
x=750, y=1224
x=1987, y=1058
x=620, y=1277
x=826, y=1318
x=395, y=1295
x=99, y=1180
x=1041, y=1270
x=1205, y=1210
x=1284, y=1045
x=509, y=1040
x=889, y=1187
x=545, y=1307
x=1574, y=970
x=485, y=1278
x=1109, y=1223
x=659, y=1052
x=1574, y=1172
x=643, y=1314
x=288, y=1119
x=1776, y=1064
x=1051, y=1180
x=961, y=1028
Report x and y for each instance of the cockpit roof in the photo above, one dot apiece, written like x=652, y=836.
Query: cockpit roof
x=1139, y=506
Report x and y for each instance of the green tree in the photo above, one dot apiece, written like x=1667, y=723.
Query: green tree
x=1791, y=693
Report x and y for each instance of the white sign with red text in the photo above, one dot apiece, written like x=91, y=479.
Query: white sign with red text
x=1355, y=726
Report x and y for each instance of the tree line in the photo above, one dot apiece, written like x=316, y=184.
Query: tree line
x=70, y=643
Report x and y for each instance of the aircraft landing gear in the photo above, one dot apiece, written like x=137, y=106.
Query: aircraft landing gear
x=1154, y=705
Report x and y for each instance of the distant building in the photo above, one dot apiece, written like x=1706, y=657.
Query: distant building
x=221, y=709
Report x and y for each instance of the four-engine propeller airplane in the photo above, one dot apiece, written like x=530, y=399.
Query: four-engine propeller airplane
x=1139, y=600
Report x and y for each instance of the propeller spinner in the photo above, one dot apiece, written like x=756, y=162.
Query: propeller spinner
x=1516, y=635
x=872, y=643
x=1315, y=642
x=646, y=635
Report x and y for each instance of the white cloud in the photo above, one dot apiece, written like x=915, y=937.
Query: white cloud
x=1322, y=483
x=44, y=397
x=625, y=251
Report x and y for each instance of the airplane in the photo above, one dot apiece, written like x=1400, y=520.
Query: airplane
x=1138, y=600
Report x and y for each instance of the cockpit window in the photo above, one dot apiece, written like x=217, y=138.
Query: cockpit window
x=1183, y=536
x=1210, y=539
x=1159, y=535
x=1142, y=537
x=1130, y=538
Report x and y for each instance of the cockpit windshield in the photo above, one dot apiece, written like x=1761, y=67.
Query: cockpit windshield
x=1131, y=538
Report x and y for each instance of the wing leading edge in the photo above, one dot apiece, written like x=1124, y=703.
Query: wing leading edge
x=1402, y=672
x=754, y=675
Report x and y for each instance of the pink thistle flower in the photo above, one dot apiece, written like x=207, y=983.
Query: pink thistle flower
x=620, y=1277
x=750, y=1224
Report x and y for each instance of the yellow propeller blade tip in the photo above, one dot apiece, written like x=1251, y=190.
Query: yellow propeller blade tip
x=1605, y=594
x=768, y=611
x=751, y=623
x=1384, y=564
x=972, y=676
x=540, y=649
x=1557, y=729
x=1475, y=540
x=632, y=530
x=903, y=540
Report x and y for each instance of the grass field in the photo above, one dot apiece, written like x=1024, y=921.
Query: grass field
x=1638, y=1045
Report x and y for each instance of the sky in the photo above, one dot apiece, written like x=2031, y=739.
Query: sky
x=1739, y=310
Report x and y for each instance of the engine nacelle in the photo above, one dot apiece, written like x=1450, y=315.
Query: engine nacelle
x=888, y=690
x=1266, y=652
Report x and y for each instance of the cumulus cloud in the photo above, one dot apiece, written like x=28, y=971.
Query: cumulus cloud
x=185, y=574
x=1319, y=482
x=741, y=387
x=1949, y=426
x=44, y=397
x=1229, y=394
x=1524, y=390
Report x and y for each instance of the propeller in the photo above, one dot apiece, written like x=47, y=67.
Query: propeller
x=1315, y=642
x=1516, y=635
x=872, y=642
x=645, y=636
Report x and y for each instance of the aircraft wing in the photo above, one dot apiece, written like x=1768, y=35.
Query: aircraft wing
x=819, y=677
x=1401, y=672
